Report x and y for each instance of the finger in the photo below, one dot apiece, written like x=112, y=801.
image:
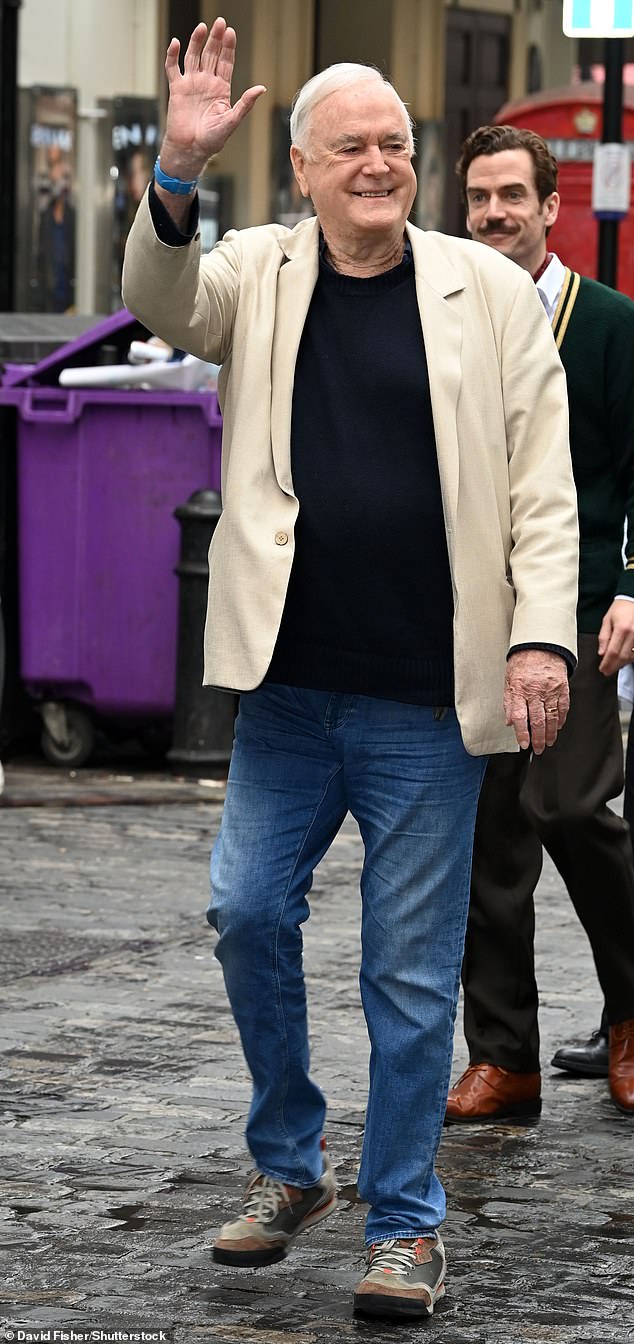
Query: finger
x=172, y=68
x=551, y=724
x=191, y=61
x=608, y=666
x=620, y=645
x=244, y=104
x=626, y=651
x=537, y=722
x=627, y=642
x=218, y=56
x=617, y=653
x=563, y=705
x=516, y=713
x=604, y=634
x=613, y=662
x=227, y=56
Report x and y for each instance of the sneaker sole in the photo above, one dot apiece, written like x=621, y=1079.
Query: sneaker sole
x=379, y=1304
x=249, y=1259
x=273, y=1254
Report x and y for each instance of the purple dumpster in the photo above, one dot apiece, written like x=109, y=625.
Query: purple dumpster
x=100, y=473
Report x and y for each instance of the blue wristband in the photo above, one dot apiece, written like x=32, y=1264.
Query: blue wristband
x=173, y=184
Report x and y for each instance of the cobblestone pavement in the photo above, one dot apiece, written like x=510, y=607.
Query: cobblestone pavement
x=124, y=1097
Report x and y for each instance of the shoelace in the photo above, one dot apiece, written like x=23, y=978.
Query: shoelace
x=388, y=1255
x=263, y=1198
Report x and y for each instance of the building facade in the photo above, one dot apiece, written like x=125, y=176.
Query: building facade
x=92, y=98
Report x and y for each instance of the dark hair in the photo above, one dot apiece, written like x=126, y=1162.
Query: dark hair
x=494, y=139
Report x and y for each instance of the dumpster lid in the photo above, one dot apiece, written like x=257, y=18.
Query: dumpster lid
x=25, y=338
x=115, y=332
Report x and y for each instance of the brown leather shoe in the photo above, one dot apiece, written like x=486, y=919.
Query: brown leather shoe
x=621, y=1074
x=486, y=1092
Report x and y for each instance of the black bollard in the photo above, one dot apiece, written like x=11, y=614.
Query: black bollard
x=203, y=716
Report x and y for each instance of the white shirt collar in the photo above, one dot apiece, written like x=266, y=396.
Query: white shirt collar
x=550, y=285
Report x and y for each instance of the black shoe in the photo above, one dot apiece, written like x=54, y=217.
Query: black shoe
x=589, y=1059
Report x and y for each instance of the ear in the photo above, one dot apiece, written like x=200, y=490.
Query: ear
x=298, y=162
x=551, y=208
x=468, y=223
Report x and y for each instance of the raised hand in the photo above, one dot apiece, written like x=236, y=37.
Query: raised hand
x=200, y=117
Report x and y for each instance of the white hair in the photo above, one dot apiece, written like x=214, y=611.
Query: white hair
x=332, y=80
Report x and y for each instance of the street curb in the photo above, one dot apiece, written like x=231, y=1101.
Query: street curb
x=32, y=786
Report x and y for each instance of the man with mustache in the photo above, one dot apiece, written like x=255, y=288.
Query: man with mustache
x=560, y=800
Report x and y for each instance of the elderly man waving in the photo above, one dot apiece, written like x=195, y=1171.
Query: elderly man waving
x=392, y=590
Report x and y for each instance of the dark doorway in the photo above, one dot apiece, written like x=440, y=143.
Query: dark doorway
x=183, y=15
x=476, y=86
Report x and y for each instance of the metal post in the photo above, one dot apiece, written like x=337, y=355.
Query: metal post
x=8, y=147
x=8, y=177
x=612, y=133
x=203, y=716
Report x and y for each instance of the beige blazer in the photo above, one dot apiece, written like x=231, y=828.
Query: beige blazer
x=500, y=414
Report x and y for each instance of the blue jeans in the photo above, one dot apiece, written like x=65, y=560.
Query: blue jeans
x=301, y=761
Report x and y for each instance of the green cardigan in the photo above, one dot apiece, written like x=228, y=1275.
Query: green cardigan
x=597, y=353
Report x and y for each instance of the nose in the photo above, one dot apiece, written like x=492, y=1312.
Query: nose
x=374, y=161
x=494, y=208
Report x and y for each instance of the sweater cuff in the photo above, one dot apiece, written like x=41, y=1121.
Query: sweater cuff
x=166, y=230
x=569, y=658
x=625, y=583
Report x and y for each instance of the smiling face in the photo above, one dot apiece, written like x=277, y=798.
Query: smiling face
x=357, y=165
x=504, y=209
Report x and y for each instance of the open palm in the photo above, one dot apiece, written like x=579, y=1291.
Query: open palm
x=200, y=117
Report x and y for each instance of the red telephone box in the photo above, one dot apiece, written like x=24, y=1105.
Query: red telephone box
x=570, y=120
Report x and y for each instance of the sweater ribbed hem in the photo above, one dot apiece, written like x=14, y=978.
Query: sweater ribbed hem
x=413, y=681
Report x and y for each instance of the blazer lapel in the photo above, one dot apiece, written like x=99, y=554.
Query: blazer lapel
x=437, y=284
x=295, y=284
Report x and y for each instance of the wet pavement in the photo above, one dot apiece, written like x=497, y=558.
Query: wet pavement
x=124, y=1097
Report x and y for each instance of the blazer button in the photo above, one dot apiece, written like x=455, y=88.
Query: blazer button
x=281, y=538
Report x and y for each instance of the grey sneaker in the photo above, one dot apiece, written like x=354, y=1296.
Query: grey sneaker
x=403, y=1278
x=273, y=1214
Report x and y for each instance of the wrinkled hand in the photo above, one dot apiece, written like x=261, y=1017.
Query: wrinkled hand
x=200, y=117
x=616, y=637
x=536, y=697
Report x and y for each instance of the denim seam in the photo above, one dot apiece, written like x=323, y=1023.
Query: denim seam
x=278, y=1176
x=333, y=722
x=408, y=1235
x=276, y=967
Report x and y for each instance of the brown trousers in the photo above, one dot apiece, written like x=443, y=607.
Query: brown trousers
x=558, y=799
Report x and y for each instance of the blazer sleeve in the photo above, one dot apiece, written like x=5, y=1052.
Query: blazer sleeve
x=187, y=300
x=543, y=498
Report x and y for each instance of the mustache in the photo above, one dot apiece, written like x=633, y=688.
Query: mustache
x=494, y=227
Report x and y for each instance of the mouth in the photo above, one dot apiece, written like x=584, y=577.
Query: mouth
x=372, y=195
